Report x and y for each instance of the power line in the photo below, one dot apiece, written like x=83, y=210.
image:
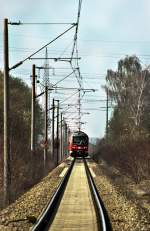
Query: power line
x=63, y=78
x=29, y=57
x=39, y=23
x=77, y=26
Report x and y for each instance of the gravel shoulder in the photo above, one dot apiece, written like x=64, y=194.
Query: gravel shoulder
x=18, y=216
x=125, y=214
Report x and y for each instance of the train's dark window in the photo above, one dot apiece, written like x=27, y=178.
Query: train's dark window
x=82, y=140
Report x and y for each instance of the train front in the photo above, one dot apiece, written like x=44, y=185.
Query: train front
x=79, y=144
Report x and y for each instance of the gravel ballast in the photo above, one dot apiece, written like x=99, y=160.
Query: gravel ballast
x=19, y=215
x=125, y=215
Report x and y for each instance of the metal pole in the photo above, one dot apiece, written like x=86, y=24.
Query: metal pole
x=33, y=113
x=53, y=124
x=7, y=172
x=61, y=136
x=66, y=140
x=46, y=127
x=57, y=136
x=63, y=128
x=79, y=112
x=106, y=113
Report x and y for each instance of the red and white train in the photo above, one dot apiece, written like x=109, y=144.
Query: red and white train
x=78, y=144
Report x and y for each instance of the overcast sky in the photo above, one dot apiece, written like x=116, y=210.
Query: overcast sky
x=108, y=31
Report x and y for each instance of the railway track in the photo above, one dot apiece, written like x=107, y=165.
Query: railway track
x=76, y=205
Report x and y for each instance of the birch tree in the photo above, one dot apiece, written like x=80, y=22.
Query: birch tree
x=127, y=88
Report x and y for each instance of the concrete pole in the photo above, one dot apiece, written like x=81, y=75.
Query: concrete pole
x=66, y=139
x=63, y=139
x=7, y=171
x=33, y=113
x=53, y=127
x=106, y=113
x=79, y=101
x=57, y=133
x=46, y=127
x=61, y=136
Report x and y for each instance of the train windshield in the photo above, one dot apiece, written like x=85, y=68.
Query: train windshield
x=80, y=140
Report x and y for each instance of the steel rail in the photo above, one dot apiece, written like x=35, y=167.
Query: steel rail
x=102, y=216
x=47, y=216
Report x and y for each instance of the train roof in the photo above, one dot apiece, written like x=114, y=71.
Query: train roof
x=79, y=133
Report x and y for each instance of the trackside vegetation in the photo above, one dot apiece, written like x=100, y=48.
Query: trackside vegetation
x=21, y=164
x=127, y=142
